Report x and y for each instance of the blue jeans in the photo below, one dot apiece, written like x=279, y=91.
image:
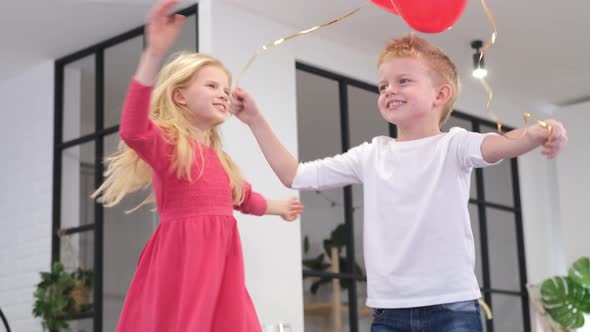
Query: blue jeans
x=449, y=317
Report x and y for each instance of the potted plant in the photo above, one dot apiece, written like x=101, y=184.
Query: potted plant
x=61, y=295
x=565, y=299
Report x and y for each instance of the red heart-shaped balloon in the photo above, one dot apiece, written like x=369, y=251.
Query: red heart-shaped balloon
x=430, y=16
x=388, y=5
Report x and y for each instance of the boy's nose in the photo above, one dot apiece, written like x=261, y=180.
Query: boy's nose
x=390, y=90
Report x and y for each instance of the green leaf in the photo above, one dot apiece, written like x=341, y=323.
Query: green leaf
x=565, y=301
x=57, y=267
x=580, y=272
x=338, y=236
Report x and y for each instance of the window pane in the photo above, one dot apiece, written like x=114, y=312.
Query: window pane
x=77, y=184
x=365, y=315
x=322, y=312
x=503, y=250
x=365, y=122
x=508, y=315
x=474, y=216
x=79, y=99
x=120, y=62
x=364, y=119
x=498, y=180
x=187, y=38
x=318, y=116
x=318, y=113
x=77, y=251
x=125, y=236
x=455, y=121
x=85, y=325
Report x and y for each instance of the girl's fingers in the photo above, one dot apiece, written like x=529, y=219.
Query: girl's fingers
x=161, y=11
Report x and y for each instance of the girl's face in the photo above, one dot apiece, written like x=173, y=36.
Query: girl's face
x=207, y=97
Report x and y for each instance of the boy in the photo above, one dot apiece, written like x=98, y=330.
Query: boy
x=419, y=250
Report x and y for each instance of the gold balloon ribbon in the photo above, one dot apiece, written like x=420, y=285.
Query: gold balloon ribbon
x=284, y=39
x=488, y=89
x=486, y=309
x=394, y=7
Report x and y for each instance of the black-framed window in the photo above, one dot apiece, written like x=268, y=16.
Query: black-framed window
x=90, y=86
x=335, y=113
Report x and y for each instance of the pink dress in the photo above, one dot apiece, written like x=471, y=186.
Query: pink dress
x=190, y=275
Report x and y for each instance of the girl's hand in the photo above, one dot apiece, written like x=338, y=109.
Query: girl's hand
x=162, y=28
x=291, y=209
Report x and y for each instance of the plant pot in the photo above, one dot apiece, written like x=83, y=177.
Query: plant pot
x=81, y=296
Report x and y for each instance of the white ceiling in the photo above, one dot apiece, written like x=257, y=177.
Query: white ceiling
x=540, y=57
x=32, y=31
x=540, y=53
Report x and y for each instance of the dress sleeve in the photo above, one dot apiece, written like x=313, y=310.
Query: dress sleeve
x=139, y=132
x=253, y=203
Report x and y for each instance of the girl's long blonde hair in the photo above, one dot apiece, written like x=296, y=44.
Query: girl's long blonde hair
x=127, y=173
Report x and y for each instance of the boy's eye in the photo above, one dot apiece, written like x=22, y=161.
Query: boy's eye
x=382, y=87
x=404, y=81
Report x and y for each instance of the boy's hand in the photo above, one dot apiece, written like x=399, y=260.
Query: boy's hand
x=291, y=209
x=553, y=140
x=243, y=106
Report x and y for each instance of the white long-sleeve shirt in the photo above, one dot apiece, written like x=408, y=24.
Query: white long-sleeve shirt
x=418, y=242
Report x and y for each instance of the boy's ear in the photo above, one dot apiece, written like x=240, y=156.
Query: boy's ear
x=178, y=97
x=443, y=95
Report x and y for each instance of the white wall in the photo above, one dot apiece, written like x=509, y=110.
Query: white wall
x=271, y=246
x=573, y=177
x=26, y=147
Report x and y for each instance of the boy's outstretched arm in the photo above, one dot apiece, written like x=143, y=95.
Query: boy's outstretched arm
x=520, y=141
x=282, y=162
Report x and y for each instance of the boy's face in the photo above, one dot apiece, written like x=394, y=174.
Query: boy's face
x=406, y=92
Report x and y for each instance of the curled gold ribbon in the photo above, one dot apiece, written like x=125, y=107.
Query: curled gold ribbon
x=486, y=309
x=488, y=89
x=284, y=39
x=394, y=7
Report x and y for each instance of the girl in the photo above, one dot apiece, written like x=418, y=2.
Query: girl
x=190, y=275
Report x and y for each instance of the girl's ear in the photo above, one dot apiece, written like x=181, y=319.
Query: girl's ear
x=178, y=97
